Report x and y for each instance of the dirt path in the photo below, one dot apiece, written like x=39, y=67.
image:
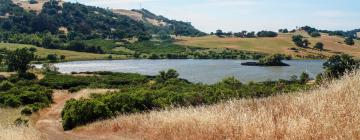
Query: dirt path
x=48, y=121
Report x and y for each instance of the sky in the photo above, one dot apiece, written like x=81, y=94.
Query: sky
x=250, y=15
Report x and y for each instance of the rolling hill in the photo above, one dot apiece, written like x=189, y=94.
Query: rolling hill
x=156, y=24
x=89, y=21
x=280, y=44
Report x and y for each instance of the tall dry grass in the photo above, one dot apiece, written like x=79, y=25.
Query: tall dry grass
x=18, y=133
x=330, y=112
x=8, y=131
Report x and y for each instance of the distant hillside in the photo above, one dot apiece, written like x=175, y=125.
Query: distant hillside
x=281, y=44
x=85, y=22
x=156, y=24
x=80, y=20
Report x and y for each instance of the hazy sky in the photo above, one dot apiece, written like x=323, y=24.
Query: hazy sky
x=251, y=15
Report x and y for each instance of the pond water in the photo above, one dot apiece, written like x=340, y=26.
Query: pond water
x=205, y=71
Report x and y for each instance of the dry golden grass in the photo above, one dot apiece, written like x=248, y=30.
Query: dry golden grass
x=330, y=112
x=18, y=133
x=10, y=132
x=280, y=44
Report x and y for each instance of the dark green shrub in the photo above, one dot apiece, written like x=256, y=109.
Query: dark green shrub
x=52, y=57
x=12, y=101
x=304, y=78
x=26, y=111
x=75, y=89
x=349, y=41
x=315, y=34
x=80, y=112
x=62, y=57
x=337, y=65
x=319, y=46
x=273, y=60
x=6, y=85
x=167, y=75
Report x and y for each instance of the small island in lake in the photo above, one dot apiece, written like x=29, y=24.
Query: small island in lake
x=273, y=60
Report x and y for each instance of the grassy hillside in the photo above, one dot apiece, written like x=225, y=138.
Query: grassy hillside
x=329, y=112
x=280, y=44
x=70, y=55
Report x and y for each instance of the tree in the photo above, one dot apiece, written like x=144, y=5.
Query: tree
x=144, y=37
x=349, y=41
x=297, y=39
x=319, y=46
x=19, y=60
x=33, y=2
x=167, y=75
x=315, y=34
x=62, y=57
x=52, y=57
x=337, y=65
x=273, y=60
x=304, y=78
x=306, y=43
x=219, y=33
x=283, y=31
x=267, y=34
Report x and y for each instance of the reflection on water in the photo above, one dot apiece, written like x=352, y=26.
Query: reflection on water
x=205, y=71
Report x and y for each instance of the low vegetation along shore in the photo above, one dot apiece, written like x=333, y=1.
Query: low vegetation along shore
x=328, y=112
x=167, y=107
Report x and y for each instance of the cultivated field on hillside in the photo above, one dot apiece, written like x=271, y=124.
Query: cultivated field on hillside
x=330, y=112
x=69, y=55
x=280, y=44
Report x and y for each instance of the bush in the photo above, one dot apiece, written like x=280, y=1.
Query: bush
x=315, y=34
x=231, y=82
x=52, y=57
x=26, y=111
x=273, y=60
x=77, y=113
x=304, y=78
x=349, y=41
x=12, y=101
x=167, y=75
x=337, y=65
x=74, y=89
x=267, y=34
x=6, y=85
x=319, y=46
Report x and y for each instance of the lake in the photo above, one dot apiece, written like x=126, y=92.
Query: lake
x=205, y=71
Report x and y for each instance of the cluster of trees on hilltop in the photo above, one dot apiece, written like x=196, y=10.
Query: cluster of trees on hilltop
x=313, y=32
x=245, y=34
x=348, y=35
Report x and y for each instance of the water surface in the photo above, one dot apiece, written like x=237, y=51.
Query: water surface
x=205, y=71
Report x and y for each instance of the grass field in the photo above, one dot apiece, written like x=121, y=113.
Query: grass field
x=329, y=112
x=70, y=55
x=280, y=44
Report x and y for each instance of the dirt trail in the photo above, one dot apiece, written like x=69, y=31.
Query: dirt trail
x=48, y=121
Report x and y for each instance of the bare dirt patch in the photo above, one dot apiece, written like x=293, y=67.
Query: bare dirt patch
x=48, y=121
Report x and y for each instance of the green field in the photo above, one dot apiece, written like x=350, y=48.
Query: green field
x=69, y=55
x=280, y=44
